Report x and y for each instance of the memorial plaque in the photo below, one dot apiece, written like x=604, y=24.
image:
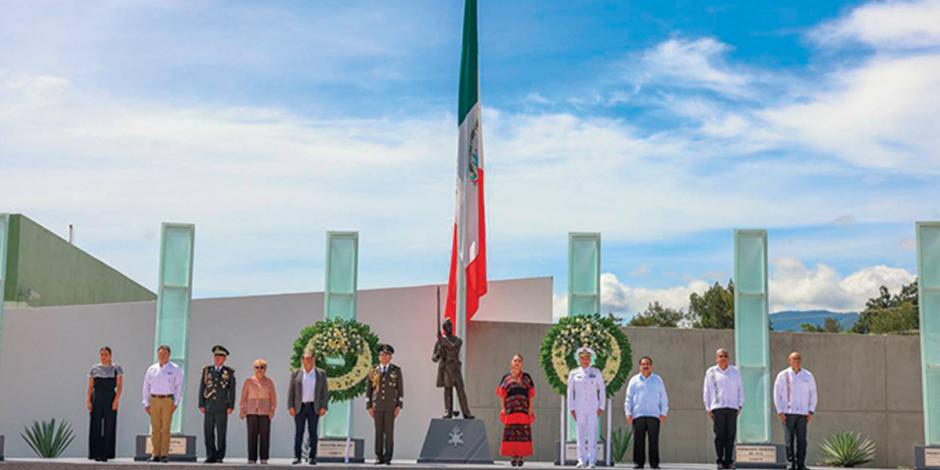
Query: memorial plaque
x=760, y=456
x=334, y=450
x=927, y=458
x=456, y=441
x=182, y=448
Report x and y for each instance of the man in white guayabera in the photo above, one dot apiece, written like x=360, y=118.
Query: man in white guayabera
x=723, y=395
x=795, y=400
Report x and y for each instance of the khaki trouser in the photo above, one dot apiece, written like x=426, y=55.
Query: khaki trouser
x=161, y=416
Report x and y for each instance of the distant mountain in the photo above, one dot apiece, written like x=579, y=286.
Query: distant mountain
x=790, y=320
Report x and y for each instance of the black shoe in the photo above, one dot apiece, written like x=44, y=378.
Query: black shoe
x=637, y=467
x=297, y=461
x=164, y=459
x=388, y=462
x=312, y=461
x=210, y=460
x=468, y=417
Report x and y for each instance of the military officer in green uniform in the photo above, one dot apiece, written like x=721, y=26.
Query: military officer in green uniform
x=216, y=402
x=384, y=394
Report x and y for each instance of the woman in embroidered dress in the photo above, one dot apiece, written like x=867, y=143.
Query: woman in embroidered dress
x=516, y=392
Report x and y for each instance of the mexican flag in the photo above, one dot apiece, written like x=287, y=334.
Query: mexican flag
x=470, y=256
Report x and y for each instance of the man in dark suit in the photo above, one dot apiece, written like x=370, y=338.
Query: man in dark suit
x=216, y=402
x=307, y=401
x=385, y=389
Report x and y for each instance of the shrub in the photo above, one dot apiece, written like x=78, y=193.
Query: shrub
x=48, y=439
x=847, y=449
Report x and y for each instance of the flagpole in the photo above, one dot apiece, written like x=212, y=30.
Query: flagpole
x=461, y=312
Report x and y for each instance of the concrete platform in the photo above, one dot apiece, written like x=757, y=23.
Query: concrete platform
x=130, y=464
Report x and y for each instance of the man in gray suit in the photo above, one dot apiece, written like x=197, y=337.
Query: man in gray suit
x=307, y=400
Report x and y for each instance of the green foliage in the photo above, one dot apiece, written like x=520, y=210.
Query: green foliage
x=714, y=309
x=48, y=439
x=847, y=449
x=619, y=443
x=573, y=328
x=830, y=325
x=657, y=315
x=355, y=332
x=889, y=313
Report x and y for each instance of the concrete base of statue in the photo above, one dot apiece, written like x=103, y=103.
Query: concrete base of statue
x=927, y=457
x=760, y=456
x=571, y=453
x=182, y=448
x=456, y=441
x=335, y=450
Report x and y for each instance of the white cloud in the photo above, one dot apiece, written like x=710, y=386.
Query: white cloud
x=686, y=63
x=626, y=301
x=885, y=25
x=794, y=286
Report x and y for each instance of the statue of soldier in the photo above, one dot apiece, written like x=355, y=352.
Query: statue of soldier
x=447, y=356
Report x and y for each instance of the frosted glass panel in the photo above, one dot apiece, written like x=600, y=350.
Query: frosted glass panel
x=930, y=255
x=753, y=425
x=177, y=254
x=4, y=226
x=751, y=335
x=751, y=348
x=342, y=265
x=339, y=301
x=582, y=305
x=750, y=264
x=932, y=403
x=584, y=263
x=174, y=319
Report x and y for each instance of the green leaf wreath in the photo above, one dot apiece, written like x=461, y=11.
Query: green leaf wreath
x=349, y=340
x=613, y=356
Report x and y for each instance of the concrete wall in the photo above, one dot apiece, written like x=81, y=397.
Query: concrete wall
x=867, y=383
x=46, y=354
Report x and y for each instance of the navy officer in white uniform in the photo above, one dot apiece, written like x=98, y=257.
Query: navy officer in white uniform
x=587, y=395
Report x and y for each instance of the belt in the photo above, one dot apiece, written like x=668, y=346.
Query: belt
x=161, y=396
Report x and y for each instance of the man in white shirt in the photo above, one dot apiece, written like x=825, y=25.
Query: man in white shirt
x=587, y=395
x=723, y=395
x=646, y=405
x=795, y=401
x=163, y=392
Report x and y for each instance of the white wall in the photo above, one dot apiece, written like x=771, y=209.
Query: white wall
x=46, y=354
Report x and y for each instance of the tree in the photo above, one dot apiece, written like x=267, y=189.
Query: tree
x=657, y=315
x=830, y=325
x=889, y=313
x=714, y=308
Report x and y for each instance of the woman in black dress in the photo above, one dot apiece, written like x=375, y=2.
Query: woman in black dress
x=105, y=382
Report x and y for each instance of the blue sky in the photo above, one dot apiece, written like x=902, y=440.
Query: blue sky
x=662, y=125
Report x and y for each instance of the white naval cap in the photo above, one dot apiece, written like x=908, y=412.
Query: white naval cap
x=585, y=350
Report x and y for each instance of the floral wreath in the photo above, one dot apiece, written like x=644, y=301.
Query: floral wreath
x=612, y=353
x=350, y=340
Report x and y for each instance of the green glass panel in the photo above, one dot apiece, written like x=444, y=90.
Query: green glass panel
x=928, y=260
x=174, y=320
x=339, y=301
x=752, y=424
x=584, y=260
x=751, y=333
x=174, y=299
x=583, y=305
x=930, y=253
x=342, y=265
x=751, y=348
x=750, y=265
x=177, y=253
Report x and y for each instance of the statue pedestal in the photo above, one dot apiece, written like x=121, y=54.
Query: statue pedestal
x=182, y=448
x=456, y=441
x=760, y=456
x=927, y=457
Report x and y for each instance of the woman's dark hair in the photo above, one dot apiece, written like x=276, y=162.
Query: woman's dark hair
x=105, y=348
